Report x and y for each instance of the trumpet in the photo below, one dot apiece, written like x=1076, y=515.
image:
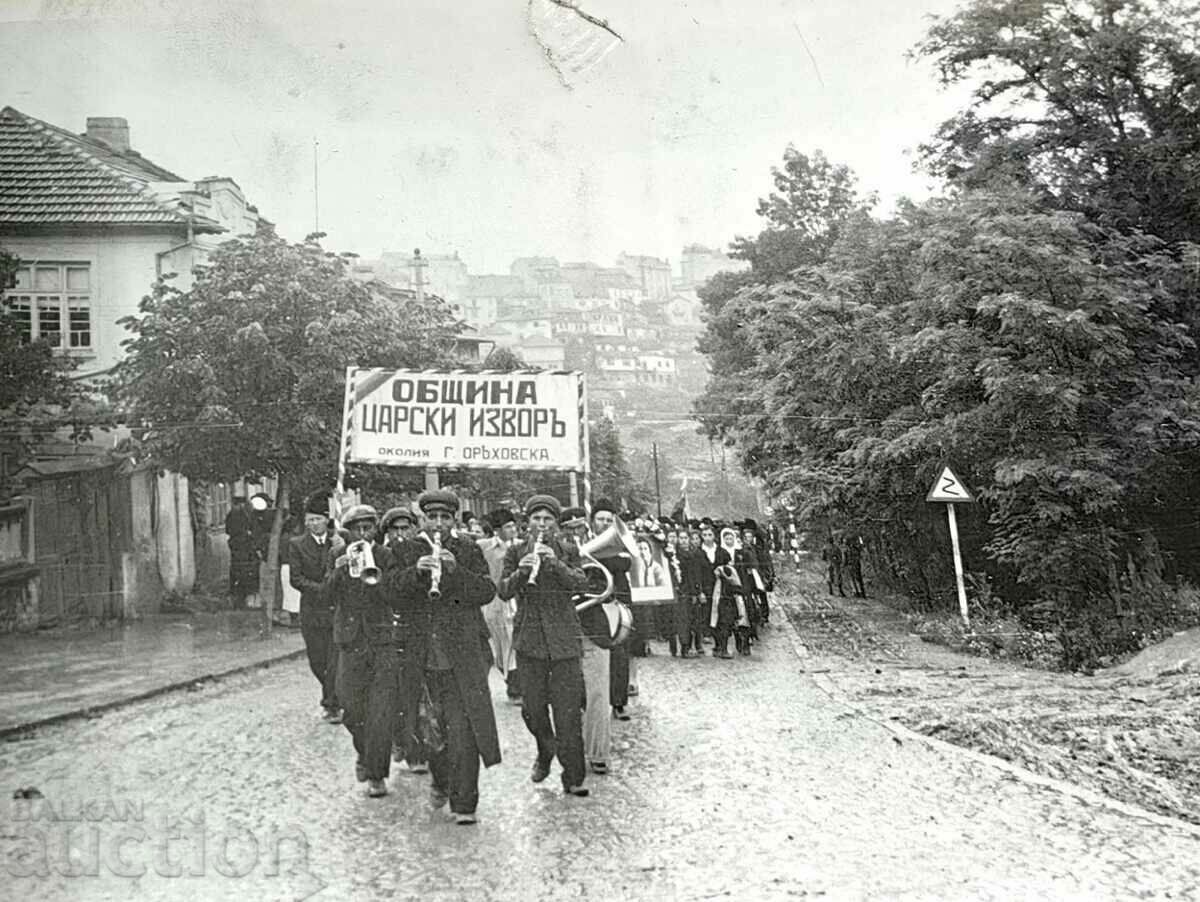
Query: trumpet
x=361, y=563
x=435, y=575
x=537, y=562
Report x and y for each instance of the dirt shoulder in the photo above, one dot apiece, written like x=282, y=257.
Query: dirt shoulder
x=1134, y=736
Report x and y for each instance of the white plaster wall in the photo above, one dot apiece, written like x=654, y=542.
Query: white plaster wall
x=122, y=272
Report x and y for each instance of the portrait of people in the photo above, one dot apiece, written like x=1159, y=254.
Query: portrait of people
x=650, y=576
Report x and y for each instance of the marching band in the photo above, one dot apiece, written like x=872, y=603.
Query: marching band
x=561, y=606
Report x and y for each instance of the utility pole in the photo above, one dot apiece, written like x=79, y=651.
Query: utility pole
x=316, y=192
x=657, y=489
x=725, y=484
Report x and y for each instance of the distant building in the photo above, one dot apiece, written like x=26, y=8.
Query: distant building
x=650, y=274
x=487, y=298
x=698, y=264
x=94, y=224
x=545, y=353
x=534, y=270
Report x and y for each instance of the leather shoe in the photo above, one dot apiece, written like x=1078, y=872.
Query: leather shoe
x=541, y=770
x=437, y=798
x=599, y=767
x=332, y=715
x=581, y=792
x=620, y=713
x=376, y=788
x=463, y=818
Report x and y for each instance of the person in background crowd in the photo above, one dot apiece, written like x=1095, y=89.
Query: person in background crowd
x=764, y=583
x=833, y=556
x=544, y=575
x=686, y=563
x=737, y=588
x=398, y=525
x=442, y=650
x=243, y=554
x=717, y=607
x=368, y=662
x=310, y=560
x=499, y=613
x=603, y=516
x=852, y=561
x=597, y=721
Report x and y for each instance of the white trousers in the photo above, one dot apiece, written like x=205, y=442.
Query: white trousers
x=597, y=718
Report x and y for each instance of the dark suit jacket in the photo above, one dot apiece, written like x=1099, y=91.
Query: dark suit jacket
x=546, y=625
x=706, y=571
x=457, y=619
x=362, y=613
x=309, y=565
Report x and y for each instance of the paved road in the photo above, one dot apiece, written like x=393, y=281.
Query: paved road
x=736, y=779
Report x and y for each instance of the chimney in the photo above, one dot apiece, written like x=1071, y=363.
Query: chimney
x=112, y=130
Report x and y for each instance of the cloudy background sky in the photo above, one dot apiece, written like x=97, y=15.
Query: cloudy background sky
x=441, y=125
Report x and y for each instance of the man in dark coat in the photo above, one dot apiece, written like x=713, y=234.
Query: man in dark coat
x=243, y=552
x=443, y=651
x=310, y=559
x=544, y=575
x=368, y=659
x=714, y=558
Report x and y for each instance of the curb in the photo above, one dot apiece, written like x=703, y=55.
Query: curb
x=10, y=733
x=1080, y=793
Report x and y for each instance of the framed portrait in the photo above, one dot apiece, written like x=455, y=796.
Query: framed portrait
x=650, y=578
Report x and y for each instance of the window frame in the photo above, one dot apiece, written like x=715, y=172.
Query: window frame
x=66, y=301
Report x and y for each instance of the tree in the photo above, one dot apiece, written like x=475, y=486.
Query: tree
x=813, y=202
x=243, y=374
x=35, y=389
x=1091, y=103
x=611, y=478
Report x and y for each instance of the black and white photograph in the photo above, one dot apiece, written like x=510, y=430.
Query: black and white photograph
x=535, y=450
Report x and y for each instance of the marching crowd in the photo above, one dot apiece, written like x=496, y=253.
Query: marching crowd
x=404, y=615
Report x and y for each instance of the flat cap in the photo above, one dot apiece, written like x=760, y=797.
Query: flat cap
x=360, y=512
x=438, y=500
x=540, y=502
x=397, y=513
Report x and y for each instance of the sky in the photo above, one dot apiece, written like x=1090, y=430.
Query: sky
x=441, y=125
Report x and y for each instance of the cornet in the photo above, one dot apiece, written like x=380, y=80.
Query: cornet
x=361, y=563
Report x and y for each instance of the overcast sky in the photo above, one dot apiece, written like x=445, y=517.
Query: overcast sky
x=442, y=126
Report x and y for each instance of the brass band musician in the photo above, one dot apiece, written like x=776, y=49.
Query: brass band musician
x=543, y=575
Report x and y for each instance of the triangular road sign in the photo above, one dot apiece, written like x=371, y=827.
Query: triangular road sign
x=948, y=487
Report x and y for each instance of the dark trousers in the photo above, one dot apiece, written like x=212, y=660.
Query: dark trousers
x=555, y=687
x=322, y=655
x=455, y=767
x=618, y=676
x=685, y=633
x=512, y=682
x=367, y=687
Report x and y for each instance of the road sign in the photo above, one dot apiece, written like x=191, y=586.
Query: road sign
x=948, y=487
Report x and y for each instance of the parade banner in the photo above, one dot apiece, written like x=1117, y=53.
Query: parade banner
x=510, y=421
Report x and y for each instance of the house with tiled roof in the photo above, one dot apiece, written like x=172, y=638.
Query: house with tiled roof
x=94, y=223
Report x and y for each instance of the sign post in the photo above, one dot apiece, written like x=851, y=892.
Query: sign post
x=949, y=490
